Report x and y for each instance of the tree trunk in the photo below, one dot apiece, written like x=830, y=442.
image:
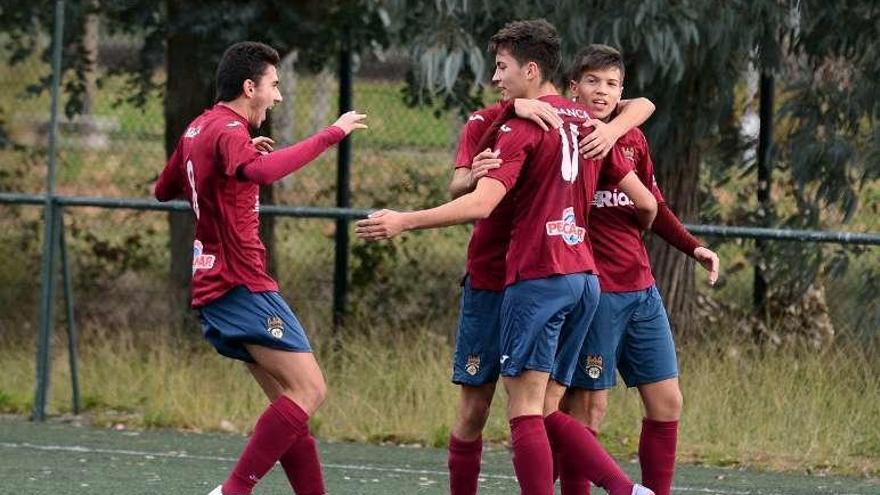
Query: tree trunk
x=187, y=93
x=673, y=270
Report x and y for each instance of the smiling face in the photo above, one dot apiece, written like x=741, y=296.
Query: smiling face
x=599, y=89
x=262, y=95
x=511, y=78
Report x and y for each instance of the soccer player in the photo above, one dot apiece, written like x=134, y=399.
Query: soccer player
x=550, y=291
x=218, y=169
x=476, y=359
x=630, y=331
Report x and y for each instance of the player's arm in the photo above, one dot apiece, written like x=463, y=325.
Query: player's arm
x=170, y=184
x=644, y=202
x=385, y=224
x=465, y=179
x=670, y=229
x=270, y=167
x=631, y=114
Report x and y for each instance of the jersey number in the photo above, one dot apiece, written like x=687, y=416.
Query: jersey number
x=190, y=174
x=570, y=155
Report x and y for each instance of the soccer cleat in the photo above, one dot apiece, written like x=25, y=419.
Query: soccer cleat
x=637, y=490
x=219, y=490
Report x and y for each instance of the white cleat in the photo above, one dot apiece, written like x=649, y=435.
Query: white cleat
x=219, y=491
x=637, y=490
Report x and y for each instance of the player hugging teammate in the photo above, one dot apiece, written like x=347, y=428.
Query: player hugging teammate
x=531, y=292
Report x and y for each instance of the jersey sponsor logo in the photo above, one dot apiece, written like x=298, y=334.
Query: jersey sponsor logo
x=567, y=228
x=472, y=367
x=275, y=326
x=234, y=123
x=192, y=132
x=604, y=199
x=477, y=116
x=505, y=128
x=201, y=261
x=593, y=366
x=629, y=153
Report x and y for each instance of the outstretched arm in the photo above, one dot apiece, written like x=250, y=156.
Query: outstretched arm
x=671, y=230
x=268, y=168
x=385, y=224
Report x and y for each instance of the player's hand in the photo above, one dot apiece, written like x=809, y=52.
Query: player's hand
x=710, y=262
x=598, y=143
x=349, y=121
x=485, y=161
x=263, y=144
x=380, y=225
x=539, y=112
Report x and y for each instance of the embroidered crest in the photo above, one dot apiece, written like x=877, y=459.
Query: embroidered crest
x=473, y=364
x=593, y=366
x=629, y=153
x=275, y=326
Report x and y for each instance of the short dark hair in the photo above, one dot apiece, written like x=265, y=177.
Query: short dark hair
x=597, y=57
x=535, y=41
x=240, y=62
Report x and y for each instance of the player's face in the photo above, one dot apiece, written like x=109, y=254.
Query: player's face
x=510, y=77
x=265, y=95
x=599, y=90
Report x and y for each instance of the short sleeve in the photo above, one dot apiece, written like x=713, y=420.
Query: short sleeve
x=235, y=149
x=615, y=166
x=515, y=141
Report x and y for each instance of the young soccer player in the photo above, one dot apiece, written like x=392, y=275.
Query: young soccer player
x=630, y=331
x=218, y=169
x=550, y=292
x=476, y=359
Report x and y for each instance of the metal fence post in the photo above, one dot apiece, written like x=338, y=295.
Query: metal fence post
x=343, y=190
x=69, y=304
x=44, y=341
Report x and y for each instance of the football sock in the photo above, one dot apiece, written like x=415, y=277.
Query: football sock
x=657, y=454
x=580, y=452
x=532, y=458
x=279, y=426
x=302, y=465
x=570, y=481
x=464, y=465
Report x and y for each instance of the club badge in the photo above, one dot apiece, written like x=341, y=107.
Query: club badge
x=473, y=364
x=275, y=326
x=593, y=366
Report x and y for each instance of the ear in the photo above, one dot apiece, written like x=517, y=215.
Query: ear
x=532, y=70
x=573, y=89
x=249, y=88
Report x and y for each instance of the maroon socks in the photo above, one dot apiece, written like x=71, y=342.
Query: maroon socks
x=657, y=454
x=302, y=465
x=464, y=465
x=582, y=458
x=532, y=458
x=280, y=425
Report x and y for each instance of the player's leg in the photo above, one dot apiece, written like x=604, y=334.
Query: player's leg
x=301, y=462
x=260, y=328
x=648, y=361
x=581, y=457
x=475, y=368
x=533, y=312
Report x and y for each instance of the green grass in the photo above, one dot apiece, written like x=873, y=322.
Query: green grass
x=785, y=409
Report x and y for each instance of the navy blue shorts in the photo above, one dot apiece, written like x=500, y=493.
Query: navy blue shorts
x=243, y=317
x=477, y=344
x=544, y=322
x=631, y=333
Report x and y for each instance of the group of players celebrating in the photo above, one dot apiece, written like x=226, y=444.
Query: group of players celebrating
x=558, y=292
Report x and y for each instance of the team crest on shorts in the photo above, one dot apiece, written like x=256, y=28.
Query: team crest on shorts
x=473, y=364
x=275, y=326
x=593, y=366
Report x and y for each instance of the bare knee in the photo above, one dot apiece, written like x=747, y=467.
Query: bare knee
x=663, y=402
x=473, y=411
x=588, y=407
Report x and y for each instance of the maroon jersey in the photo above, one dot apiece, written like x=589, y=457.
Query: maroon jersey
x=552, y=187
x=615, y=232
x=491, y=236
x=204, y=168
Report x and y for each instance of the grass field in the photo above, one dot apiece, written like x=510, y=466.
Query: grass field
x=56, y=458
